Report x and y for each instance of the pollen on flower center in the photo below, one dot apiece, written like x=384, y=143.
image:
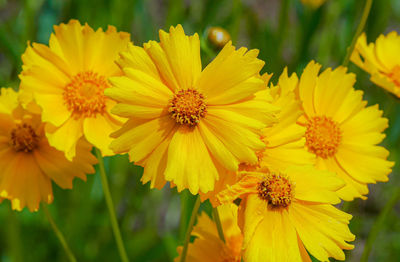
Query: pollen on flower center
x=84, y=95
x=24, y=138
x=276, y=189
x=187, y=107
x=395, y=75
x=323, y=136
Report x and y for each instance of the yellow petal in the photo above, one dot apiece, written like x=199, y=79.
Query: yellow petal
x=140, y=139
x=183, y=54
x=8, y=100
x=139, y=89
x=59, y=169
x=353, y=188
x=101, y=49
x=307, y=86
x=274, y=239
x=189, y=162
x=388, y=49
x=137, y=58
x=70, y=41
x=155, y=164
x=218, y=149
x=240, y=141
x=231, y=76
x=97, y=131
x=160, y=59
x=53, y=107
x=323, y=229
x=313, y=185
x=371, y=162
x=368, y=120
x=25, y=184
x=65, y=137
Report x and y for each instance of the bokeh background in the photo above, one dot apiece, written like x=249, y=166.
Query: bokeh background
x=153, y=221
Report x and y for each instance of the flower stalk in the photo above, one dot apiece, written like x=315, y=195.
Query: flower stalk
x=379, y=224
x=59, y=234
x=111, y=209
x=190, y=228
x=218, y=224
x=360, y=28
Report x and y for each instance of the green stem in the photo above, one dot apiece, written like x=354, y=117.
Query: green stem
x=59, y=235
x=379, y=223
x=14, y=240
x=282, y=27
x=218, y=224
x=186, y=202
x=360, y=28
x=237, y=13
x=206, y=49
x=190, y=228
x=111, y=209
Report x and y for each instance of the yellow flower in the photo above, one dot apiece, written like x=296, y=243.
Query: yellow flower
x=285, y=213
x=381, y=60
x=186, y=125
x=28, y=163
x=313, y=3
x=208, y=246
x=341, y=131
x=67, y=79
x=285, y=138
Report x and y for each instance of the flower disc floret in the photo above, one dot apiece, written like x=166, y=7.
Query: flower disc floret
x=323, y=136
x=187, y=107
x=84, y=95
x=276, y=189
x=24, y=138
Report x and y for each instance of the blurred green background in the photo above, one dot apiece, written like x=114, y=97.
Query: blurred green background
x=287, y=34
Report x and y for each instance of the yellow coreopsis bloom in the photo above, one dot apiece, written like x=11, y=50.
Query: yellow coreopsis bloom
x=285, y=213
x=208, y=246
x=342, y=132
x=67, y=79
x=285, y=138
x=28, y=163
x=381, y=60
x=313, y=3
x=187, y=125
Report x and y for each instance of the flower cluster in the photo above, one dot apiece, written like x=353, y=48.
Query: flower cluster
x=273, y=159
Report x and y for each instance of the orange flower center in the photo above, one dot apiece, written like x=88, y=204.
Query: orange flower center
x=84, y=95
x=187, y=107
x=395, y=75
x=323, y=136
x=276, y=189
x=24, y=138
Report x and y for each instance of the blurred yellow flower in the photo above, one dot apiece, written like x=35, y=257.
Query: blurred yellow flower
x=27, y=161
x=341, y=131
x=283, y=214
x=67, y=79
x=313, y=3
x=186, y=125
x=208, y=246
x=381, y=60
